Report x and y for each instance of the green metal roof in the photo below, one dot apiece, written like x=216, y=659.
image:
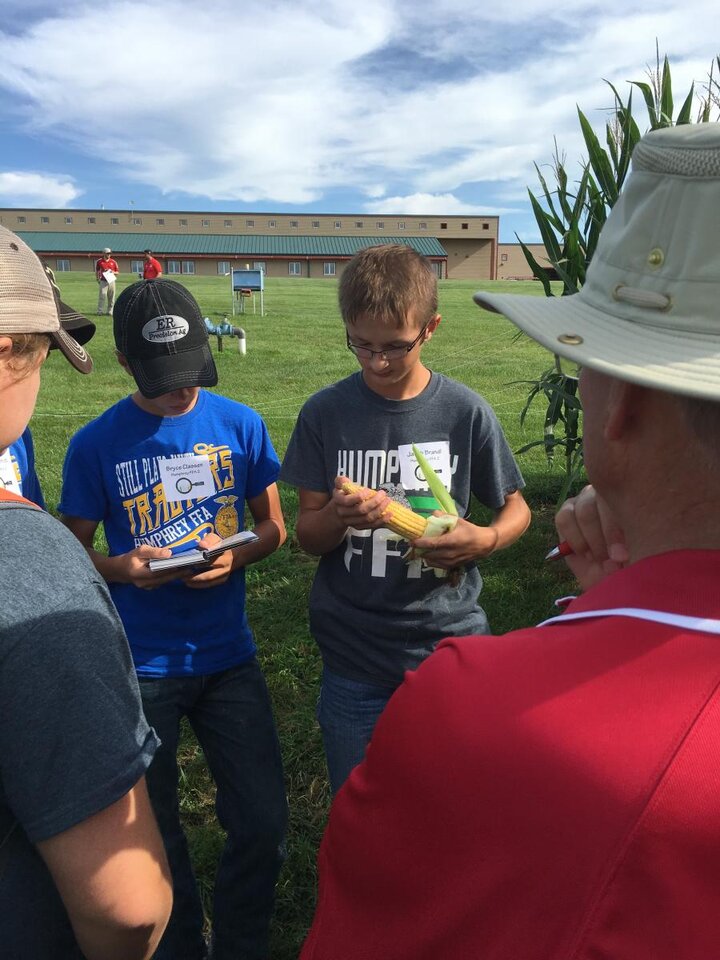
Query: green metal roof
x=181, y=244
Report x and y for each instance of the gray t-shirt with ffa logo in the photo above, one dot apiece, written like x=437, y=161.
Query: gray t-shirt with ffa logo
x=373, y=614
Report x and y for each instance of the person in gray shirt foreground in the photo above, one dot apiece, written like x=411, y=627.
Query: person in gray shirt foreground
x=83, y=872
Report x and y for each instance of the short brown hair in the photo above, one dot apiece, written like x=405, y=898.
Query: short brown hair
x=386, y=282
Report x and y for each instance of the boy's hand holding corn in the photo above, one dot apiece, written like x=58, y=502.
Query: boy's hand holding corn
x=466, y=543
x=356, y=509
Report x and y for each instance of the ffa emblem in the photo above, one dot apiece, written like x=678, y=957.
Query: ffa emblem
x=226, y=519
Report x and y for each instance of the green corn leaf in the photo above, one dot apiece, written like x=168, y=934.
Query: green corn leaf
x=437, y=487
x=598, y=160
x=537, y=270
x=647, y=93
x=666, y=96
x=685, y=111
x=548, y=237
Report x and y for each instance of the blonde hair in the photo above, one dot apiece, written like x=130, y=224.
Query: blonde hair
x=386, y=282
x=28, y=350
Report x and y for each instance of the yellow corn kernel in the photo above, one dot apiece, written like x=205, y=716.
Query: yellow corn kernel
x=397, y=518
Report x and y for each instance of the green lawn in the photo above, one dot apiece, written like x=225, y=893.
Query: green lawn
x=295, y=349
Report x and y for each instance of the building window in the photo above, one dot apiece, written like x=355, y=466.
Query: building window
x=359, y=224
x=443, y=226
x=173, y=266
x=486, y=226
x=464, y=226
x=422, y=225
x=316, y=223
x=91, y=219
x=44, y=219
x=68, y=219
x=137, y=221
x=401, y=224
x=227, y=223
x=272, y=223
x=380, y=225
x=136, y=266
x=294, y=223
x=260, y=265
x=22, y=220
x=328, y=269
x=188, y=266
x=63, y=266
x=182, y=222
x=338, y=224
x=249, y=223
x=503, y=257
x=223, y=267
x=160, y=222
x=206, y=223
x=294, y=268
x=114, y=221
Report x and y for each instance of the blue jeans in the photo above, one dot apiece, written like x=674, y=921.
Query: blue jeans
x=347, y=712
x=231, y=716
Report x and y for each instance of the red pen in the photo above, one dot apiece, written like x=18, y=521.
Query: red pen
x=563, y=549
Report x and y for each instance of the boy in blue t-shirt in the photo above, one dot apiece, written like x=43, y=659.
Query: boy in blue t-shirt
x=168, y=466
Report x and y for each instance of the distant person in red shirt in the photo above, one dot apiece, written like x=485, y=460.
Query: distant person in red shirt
x=106, y=269
x=554, y=793
x=151, y=267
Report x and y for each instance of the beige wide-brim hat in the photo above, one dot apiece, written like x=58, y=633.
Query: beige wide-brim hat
x=649, y=311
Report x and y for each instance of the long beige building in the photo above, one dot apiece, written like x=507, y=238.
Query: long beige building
x=283, y=245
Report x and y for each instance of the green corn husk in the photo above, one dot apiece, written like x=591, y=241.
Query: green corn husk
x=437, y=487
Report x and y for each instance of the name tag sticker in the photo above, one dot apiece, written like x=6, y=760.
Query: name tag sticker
x=187, y=477
x=9, y=478
x=438, y=456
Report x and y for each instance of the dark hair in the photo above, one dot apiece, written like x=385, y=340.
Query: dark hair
x=148, y=251
x=386, y=282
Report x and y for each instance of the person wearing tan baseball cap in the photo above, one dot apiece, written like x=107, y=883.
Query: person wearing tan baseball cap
x=82, y=865
x=555, y=792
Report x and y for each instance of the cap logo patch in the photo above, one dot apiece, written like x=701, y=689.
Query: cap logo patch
x=165, y=329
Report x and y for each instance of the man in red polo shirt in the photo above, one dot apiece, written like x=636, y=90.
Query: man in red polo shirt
x=106, y=269
x=554, y=793
x=151, y=267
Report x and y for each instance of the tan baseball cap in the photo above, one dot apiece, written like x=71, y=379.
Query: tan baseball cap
x=28, y=302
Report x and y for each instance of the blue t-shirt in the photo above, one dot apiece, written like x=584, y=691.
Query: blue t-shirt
x=116, y=472
x=17, y=469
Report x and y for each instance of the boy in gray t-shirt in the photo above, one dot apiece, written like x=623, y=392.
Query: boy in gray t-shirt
x=373, y=614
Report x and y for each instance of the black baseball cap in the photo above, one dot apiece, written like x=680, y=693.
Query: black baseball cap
x=159, y=329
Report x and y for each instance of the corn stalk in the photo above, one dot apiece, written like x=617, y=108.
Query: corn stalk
x=570, y=215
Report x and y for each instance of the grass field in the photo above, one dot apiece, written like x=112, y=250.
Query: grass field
x=295, y=349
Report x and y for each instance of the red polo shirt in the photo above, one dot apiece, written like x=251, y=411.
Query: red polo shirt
x=550, y=794
x=151, y=269
x=106, y=263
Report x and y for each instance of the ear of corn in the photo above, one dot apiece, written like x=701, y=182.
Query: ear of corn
x=437, y=487
x=405, y=523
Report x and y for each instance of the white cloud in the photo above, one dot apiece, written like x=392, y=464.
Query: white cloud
x=287, y=103
x=37, y=189
x=433, y=204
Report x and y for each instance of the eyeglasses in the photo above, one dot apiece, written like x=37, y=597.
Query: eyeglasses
x=570, y=369
x=392, y=353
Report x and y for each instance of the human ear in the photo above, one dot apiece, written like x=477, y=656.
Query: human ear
x=625, y=400
x=122, y=360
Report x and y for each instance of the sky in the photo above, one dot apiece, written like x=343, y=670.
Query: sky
x=378, y=107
